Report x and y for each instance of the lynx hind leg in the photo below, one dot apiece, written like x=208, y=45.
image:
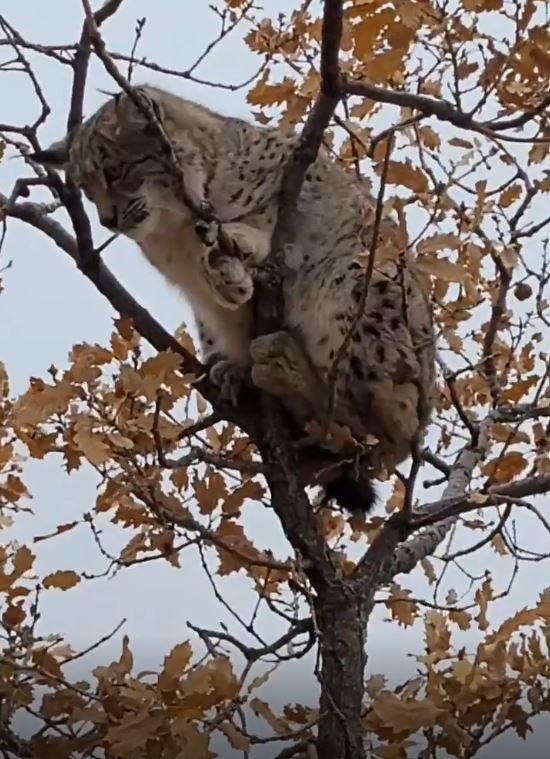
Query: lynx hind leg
x=281, y=368
x=228, y=377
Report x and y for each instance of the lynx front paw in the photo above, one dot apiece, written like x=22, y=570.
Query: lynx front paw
x=229, y=378
x=246, y=242
x=231, y=284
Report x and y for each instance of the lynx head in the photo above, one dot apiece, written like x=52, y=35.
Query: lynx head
x=116, y=157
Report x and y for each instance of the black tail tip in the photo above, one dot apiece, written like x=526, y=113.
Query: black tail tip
x=352, y=494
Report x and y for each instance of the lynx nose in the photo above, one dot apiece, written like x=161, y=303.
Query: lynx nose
x=109, y=219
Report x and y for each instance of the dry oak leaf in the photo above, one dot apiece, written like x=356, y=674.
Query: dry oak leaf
x=86, y=360
x=442, y=269
x=41, y=401
x=191, y=742
x=223, y=679
x=209, y=489
x=482, y=597
x=90, y=441
x=435, y=243
x=13, y=489
x=175, y=664
x=504, y=468
x=61, y=579
x=519, y=389
x=512, y=625
x=13, y=616
x=401, y=608
x=133, y=731
x=366, y=34
x=234, y=537
x=248, y=490
x=375, y=684
x=438, y=635
x=461, y=618
x=510, y=195
x=22, y=561
x=264, y=94
x=281, y=727
x=236, y=739
x=404, y=715
x=404, y=174
x=46, y=662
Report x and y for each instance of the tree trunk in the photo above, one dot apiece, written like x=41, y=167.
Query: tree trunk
x=341, y=615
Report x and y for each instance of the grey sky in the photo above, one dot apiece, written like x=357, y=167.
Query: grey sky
x=48, y=306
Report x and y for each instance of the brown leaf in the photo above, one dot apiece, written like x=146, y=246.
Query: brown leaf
x=461, y=618
x=262, y=709
x=250, y=489
x=401, y=608
x=236, y=739
x=374, y=685
x=519, y=619
x=435, y=243
x=233, y=536
x=499, y=545
x=438, y=635
x=510, y=195
x=126, y=661
x=404, y=715
x=62, y=580
x=22, y=561
x=41, y=401
x=429, y=571
x=430, y=138
x=442, y=268
x=482, y=597
x=13, y=616
x=222, y=678
x=264, y=94
x=366, y=33
x=46, y=662
x=519, y=389
x=504, y=468
x=176, y=663
x=398, y=497
x=133, y=731
x=209, y=490
x=404, y=174
x=90, y=441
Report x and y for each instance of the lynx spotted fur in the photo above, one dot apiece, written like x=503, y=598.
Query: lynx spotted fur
x=384, y=384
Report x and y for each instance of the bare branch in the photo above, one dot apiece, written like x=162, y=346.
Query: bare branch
x=300, y=627
x=443, y=110
x=406, y=556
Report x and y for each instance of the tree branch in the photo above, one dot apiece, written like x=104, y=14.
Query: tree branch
x=288, y=496
x=253, y=654
x=406, y=556
x=442, y=109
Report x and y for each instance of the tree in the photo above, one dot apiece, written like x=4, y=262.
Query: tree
x=443, y=107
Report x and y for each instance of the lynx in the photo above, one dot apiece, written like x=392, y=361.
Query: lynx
x=383, y=385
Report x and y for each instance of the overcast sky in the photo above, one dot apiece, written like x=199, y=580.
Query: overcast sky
x=48, y=306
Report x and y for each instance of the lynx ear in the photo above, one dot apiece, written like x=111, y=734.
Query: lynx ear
x=54, y=157
x=131, y=118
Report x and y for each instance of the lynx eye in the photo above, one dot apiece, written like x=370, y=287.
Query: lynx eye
x=112, y=174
